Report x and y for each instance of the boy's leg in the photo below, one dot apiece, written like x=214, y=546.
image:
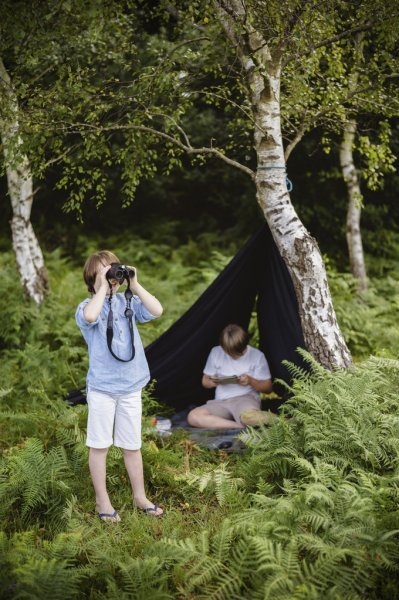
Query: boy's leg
x=97, y=466
x=202, y=417
x=257, y=417
x=247, y=409
x=128, y=437
x=134, y=467
x=99, y=438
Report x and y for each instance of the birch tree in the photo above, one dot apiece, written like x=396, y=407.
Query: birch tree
x=34, y=39
x=350, y=176
x=356, y=92
x=262, y=65
x=353, y=232
x=28, y=254
x=369, y=95
x=20, y=36
x=237, y=56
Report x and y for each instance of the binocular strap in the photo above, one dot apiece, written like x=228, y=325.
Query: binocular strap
x=110, y=326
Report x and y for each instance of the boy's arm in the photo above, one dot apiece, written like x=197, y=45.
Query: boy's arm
x=209, y=371
x=207, y=382
x=149, y=301
x=263, y=381
x=93, y=308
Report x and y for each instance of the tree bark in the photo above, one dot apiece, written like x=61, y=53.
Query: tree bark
x=297, y=247
x=353, y=232
x=28, y=254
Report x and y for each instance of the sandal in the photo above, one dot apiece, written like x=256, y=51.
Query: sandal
x=153, y=509
x=112, y=518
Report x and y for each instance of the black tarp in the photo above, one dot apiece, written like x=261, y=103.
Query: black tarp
x=256, y=274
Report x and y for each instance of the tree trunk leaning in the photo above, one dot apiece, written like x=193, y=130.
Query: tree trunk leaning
x=28, y=254
x=353, y=231
x=297, y=247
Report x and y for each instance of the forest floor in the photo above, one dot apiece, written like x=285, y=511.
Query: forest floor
x=308, y=510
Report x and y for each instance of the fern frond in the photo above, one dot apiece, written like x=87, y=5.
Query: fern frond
x=33, y=481
x=142, y=578
x=48, y=578
x=220, y=480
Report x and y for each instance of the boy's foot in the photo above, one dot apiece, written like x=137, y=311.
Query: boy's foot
x=149, y=508
x=154, y=511
x=106, y=512
x=111, y=517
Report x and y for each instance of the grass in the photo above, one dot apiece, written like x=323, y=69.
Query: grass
x=309, y=510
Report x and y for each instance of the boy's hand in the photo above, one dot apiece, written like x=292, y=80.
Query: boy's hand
x=101, y=287
x=102, y=279
x=134, y=281
x=259, y=385
x=150, y=302
x=245, y=379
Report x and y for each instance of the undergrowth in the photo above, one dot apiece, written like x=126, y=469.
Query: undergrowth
x=308, y=511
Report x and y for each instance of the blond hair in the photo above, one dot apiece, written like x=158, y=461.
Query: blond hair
x=92, y=265
x=234, y=339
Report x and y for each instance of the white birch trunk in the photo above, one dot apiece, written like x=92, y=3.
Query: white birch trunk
x=27, y=250
x=349, y=173
x=353, y=231
x=297, y=247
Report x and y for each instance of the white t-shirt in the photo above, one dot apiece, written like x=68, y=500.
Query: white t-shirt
x=221, y=364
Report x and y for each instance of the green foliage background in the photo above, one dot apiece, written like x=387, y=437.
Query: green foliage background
x=309, y=510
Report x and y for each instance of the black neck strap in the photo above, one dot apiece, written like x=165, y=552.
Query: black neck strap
x=128, y=315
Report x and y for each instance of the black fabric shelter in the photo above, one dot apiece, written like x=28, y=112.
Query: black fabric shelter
x=178, y=356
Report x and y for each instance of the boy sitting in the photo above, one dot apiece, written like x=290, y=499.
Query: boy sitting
x=238, y=372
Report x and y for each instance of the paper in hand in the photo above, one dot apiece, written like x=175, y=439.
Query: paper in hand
x=223, y=379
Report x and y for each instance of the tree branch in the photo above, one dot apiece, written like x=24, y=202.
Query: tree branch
x=343, y=34
x=307, y=123
x=186, y=147
x=61, y=156
x=227, y=18
x=331, y=40
x=298, y=136
x=235, y=10
x=235, y=104
x=291, y=24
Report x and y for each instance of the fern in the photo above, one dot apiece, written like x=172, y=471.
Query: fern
x=47, y=578
x=309, y=511
x=340, y=416
x=335, y=464
x=36, y=568
x=32, y=482
x=139, y=579
x=220, y=480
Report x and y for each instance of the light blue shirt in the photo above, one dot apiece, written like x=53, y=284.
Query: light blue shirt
x=106, y=374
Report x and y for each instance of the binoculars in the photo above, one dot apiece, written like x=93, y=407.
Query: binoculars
x=120, y=272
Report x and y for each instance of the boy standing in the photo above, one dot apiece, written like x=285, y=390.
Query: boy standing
x=114, y=386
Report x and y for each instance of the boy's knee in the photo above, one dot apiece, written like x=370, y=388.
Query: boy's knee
x=194, y=417
x=130, y=451
x=93, y=450
x=191, y=418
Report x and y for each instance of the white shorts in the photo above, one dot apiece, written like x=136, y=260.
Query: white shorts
x=120, y=415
